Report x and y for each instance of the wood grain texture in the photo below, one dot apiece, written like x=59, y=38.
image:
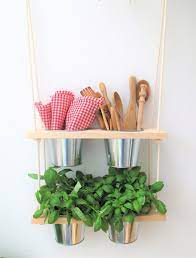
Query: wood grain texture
x=130, y=116
x=150, y=134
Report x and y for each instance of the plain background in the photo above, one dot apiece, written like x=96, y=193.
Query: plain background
x=81, y=43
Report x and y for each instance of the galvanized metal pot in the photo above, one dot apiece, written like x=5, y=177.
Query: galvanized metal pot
x=122, y=153
x=69, y=234
x=127, y=236
x=63, y=152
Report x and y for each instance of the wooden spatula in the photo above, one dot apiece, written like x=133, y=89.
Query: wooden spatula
x=130, y=122
x=117, y=103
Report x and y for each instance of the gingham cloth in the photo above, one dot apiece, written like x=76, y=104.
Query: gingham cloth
x=45, y=113
x=60, y=104
x=81, y=113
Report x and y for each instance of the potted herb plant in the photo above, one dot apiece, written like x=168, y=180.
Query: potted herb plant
x=125, y=195
x=65, y=196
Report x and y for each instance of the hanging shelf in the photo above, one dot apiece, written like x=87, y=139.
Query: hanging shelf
x=152, y=217
x=148, y=134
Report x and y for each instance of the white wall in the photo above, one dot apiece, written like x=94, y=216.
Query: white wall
x=82, y=43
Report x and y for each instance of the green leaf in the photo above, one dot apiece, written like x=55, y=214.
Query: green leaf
x=82, y=202
x=129, y=218
x=55, y=201
x=112, y=171
x=77, y=187
x=68, y=204
x=124, y=210
x=117, y=212
x=160, y=206
x=53, y=216
x=142, y=178
x=69, y=217
x=146, y=209
x=109, y=180
x=129, y=187
x=90, y=199
x=88, y=221
x=135, y=171
x=108, y=188
x=137, y=206
x=157, y=187
x=100, y=192
x=38, y=196
x=141, y=200
x=126, y=197
x=50, y=177
x=64, y=171
x=79, y=175
x=98, y=224
x=79, y=214
x=120, y=178
x=104, y=225
x=128, y=205
x=38, y=213
x=119, y=225
x=35, y=176
x=105, y=210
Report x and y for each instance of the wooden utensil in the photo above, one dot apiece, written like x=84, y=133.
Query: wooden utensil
x=130, y=116
x=113, y=118
x=117, y=102
x=89, y=92
x=103, y=90
x=143, y=92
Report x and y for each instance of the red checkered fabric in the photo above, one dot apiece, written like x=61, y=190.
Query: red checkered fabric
x=60, y=104
x=82, y=112
x=45, y=113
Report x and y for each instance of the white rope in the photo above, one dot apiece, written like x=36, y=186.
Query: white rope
x=34, y=80
x=162, y=60
x=39, y=162
x=32, y=51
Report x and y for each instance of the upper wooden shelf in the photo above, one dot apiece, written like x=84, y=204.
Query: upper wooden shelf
x=152, y=134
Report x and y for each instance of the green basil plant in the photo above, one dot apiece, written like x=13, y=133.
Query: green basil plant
x=117, y=197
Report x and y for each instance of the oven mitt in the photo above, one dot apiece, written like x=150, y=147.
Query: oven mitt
x=60, y=103
x=81, y=113
x=45, y=113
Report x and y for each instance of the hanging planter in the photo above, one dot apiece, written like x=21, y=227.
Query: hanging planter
x=63, y=152
x=122, y=153
x=69, y=234
x=112, y=203
x=128, y=235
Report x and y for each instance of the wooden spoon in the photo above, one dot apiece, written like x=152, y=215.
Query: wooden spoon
x=143, y=92
x=117, y=102
x=130, y=116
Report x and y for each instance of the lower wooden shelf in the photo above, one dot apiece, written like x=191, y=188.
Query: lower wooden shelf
x=153, y=216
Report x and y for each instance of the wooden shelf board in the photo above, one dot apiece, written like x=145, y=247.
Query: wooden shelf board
x=152, y=134
x=154, y=216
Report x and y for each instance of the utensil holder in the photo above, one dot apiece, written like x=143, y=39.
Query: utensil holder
x=69, y=234
x=122, y=153
x=63, y=152
x=128, y=235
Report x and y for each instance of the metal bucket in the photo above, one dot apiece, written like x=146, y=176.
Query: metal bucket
x=128, y=235
x=122, y=153
x=69, y=234
x=63, y=152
